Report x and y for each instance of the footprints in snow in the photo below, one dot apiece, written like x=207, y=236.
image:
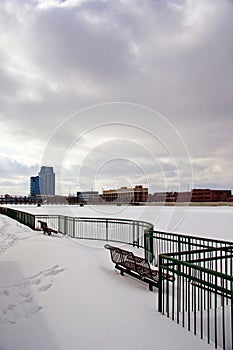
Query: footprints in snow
x=7, y=237
x=18, y=301
x=7, y=240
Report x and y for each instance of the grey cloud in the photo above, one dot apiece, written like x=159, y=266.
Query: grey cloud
x=79, y=48
x=15, y=177
x=58, y=59
x=15, y=168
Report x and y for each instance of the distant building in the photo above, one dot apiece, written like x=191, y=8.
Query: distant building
x=163, y=197
x=43, y=183
x=16, y=199
x=34, y=186
x=88, y=197
x=196, y=195
x=207, y=195
x=126, y=195
x=47, y=181
x=183, y=197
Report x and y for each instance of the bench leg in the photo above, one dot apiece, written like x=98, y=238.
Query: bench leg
x=151, y=287
x=122, y=273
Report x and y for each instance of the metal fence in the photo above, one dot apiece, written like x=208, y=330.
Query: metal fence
x=159, y=242
x=201, y=297
x=106, y=229
x=23, y=217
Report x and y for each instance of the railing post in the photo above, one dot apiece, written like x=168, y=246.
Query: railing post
x=33, y=222
x=65, y=225
x=106, y=225
x=160, y=287
x=59, y=223
x=146, y=245
x=138, y=233
x=149, y=245
x=179, y=244
x=133, y=232
x=73, y=227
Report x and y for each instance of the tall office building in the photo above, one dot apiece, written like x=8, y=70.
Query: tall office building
x=47, y=180
x=34, y=186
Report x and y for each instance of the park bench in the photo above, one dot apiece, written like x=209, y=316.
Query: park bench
x=136, y=266
x=45, y=228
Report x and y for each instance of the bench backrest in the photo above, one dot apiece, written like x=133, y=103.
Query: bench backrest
x=124, y=257
x=44, y=225
x=136, y=263
x=120, y=256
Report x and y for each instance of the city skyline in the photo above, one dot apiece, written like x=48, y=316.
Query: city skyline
x=43, y=183
x=116, y=93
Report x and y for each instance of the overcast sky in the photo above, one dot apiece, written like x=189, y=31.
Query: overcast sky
x=116, y=93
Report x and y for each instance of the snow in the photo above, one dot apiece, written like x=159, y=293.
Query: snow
x=61, y=293
x=212, y=222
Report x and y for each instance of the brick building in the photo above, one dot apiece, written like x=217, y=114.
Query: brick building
x=196, y=195
x=207, y=195
x=126, y=195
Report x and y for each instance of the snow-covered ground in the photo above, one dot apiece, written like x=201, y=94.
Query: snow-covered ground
x=63, y=294
x=213, y=222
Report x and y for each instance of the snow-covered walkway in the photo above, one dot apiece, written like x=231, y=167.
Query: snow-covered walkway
x=59, y=294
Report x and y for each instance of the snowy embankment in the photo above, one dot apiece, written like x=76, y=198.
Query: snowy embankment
x=63, y=294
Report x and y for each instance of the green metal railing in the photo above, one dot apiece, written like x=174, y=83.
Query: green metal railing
x=201, y=298
x=159, y=242
x=106, y=229
x=22, y=217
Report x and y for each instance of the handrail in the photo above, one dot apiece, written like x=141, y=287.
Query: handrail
x=108, y=229
x=173, y=235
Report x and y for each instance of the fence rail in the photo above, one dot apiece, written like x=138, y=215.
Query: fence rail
x=23, y=217
x=106, y=229
x=201, y=298
x=159, y=242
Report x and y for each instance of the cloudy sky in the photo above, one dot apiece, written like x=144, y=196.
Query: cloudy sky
x=115, y=93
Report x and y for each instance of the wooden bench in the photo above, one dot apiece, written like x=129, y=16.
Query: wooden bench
x=45, y=228
x=136, y=266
